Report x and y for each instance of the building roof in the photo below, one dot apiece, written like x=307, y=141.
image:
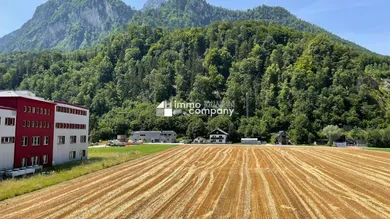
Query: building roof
x=7, y=108
x=220, y=130
x=23, y=94
x=69, y=104
x=154, y=132
x=249, y=139
x=280, y=133
x=31, y=95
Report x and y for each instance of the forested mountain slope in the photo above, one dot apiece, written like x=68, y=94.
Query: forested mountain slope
x=68, y=25
x=73, y=24
x=153, y=4
x=295, y=81
x=196, y=13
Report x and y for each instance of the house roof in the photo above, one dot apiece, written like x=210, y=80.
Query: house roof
x=23, y=94
x=279, y=133
x=220, y=130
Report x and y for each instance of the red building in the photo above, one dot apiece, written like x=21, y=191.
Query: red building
x=34, y=128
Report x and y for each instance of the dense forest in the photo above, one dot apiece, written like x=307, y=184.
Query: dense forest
x=296, y=81
x=72, y=24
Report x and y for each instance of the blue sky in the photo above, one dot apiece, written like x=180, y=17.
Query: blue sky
x=364, y=22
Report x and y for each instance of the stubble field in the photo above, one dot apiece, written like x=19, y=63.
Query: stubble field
x=223, y=182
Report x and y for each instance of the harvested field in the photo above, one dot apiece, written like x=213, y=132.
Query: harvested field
x=223, y=182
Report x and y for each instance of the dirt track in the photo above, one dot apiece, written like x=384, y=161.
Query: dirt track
x=223, y=182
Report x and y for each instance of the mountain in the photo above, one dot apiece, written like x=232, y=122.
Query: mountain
x=73, y=24
x=194, y=13
x=68, y=25
x=151, y=4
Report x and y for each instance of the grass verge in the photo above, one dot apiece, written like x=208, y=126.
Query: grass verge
x=379, y=149
x=99, y=158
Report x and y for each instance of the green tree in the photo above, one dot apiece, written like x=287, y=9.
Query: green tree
x=333, y=132
x=196, y=128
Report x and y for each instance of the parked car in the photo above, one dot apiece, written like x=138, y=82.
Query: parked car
x=110, y=143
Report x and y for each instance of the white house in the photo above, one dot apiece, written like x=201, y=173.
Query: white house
x=7, y=137
x=70, y=133
x=218, y=136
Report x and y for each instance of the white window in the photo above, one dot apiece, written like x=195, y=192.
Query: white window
x=35, y=160
x=61, y=140
x=45, y=159
x=73, y=139
x=83, y=139
x=32, y=124
x=24, y=123
x=36, y=141
x=83, y=153
x=25, y=141
x=33, y=110
x=46, y=142
x=8, y=140
x=25, y=109
x=10, y=121
x=24, y=162
x=72, y=155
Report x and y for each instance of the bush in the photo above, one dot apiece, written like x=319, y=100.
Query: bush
x=379, y=138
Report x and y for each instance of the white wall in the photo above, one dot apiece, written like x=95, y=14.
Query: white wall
x=61, y=151
x=224, y=137
x=7, y=151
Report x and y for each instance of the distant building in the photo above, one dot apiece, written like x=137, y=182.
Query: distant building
x=282, y=138
x=361, y=143
x=121, y=138
x=154, y=136
x=218, y=136
x=199, y=140
x=249, y=141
